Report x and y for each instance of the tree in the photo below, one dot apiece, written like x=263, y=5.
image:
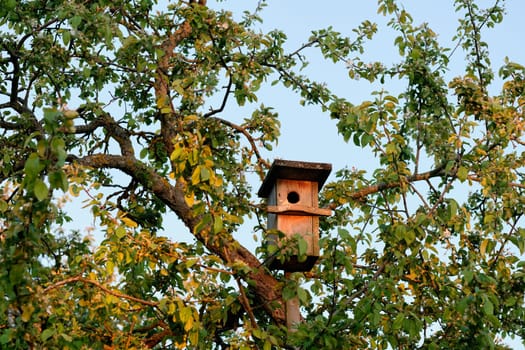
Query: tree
x=426, y=252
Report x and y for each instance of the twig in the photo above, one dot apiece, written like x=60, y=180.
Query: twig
x=507, y=238
x=246, y=304
x=100, y=286
x=224, y=100
x=246, y=134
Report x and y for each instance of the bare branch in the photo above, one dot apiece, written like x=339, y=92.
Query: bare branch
x=224, y=100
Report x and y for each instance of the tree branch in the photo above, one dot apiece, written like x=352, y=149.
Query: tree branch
x=101, y=287
x=360, y=194
x=248, y=136
x=224, y=100
x=265, y=286
x=117, y=132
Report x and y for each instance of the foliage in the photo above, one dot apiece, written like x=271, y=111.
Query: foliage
x=425, y=252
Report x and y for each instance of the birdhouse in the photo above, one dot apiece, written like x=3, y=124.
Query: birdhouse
x=292, y=189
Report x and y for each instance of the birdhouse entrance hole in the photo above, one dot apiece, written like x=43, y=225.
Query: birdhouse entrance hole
x=293, y=197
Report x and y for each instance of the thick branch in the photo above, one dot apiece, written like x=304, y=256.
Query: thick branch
x=265, y=286
x=117, y=132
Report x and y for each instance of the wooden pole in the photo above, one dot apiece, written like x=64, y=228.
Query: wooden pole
x=293, y=316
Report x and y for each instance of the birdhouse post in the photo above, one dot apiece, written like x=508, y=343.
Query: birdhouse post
x=292, y=189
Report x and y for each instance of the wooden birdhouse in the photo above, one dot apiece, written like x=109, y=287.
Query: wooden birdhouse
x=292, y=189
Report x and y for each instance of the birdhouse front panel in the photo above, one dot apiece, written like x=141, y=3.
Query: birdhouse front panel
x=291, y=189
x=290, y=196
x=296, y=193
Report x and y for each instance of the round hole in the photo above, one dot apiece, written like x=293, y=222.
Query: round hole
x=293, y=197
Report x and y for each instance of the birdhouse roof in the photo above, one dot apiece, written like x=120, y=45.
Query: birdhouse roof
x=294, y=170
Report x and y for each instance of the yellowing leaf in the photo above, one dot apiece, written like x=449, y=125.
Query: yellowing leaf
x=3, y=206
x=166, y=110
x=128, y=222
x=412, y=276
x=177, y=152
x=162, y=102
x=186, y=317
x=194, y=337
x=120, y=232
x=189, y=324
x=171, y=308
x=189, y=199
x=70, y=114
x=27, y=311
x=196, y=176
x=483, y=247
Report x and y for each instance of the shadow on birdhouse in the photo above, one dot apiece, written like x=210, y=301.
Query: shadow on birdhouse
x=292, y=189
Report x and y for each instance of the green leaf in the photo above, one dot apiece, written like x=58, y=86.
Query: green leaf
x=58, y=147
x=6, y=336
x=348, y=239
x=302, y=295
x=58, y=179
x=462, y=173
x=32, y=166
x=9, y=4
x=302, y=246
x=367, y=139
x=205, y=174
x=217, y=224
x=3, y=206
x=86, y=72
x=468, y=275
x=47, y=333
x=488, y=307
x=40, y=190
x=398, y=321
x=206, y=219
x=289, y=293
x=143, y=153
x=75, y=21
x=410, y=236
x=66, y=37
x=452, y=208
